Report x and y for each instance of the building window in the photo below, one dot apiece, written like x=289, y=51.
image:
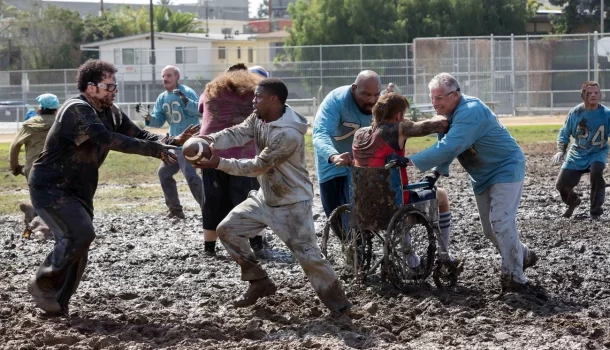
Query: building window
x=186, y=55
x=239, y=53
x=117, y=57
x=129, y=56
x=250, y=55
x=222, y=52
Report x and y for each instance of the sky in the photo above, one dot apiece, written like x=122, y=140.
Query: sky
x=253, y=3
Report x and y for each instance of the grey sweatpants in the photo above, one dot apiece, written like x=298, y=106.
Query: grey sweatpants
x=168, y=184
x=498, y=212
x=293, y=224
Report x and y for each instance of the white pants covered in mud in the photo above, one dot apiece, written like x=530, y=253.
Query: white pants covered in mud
x=293, y=224
x=498, y=212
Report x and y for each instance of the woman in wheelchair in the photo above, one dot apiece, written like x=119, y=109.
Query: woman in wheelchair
x=383, y=143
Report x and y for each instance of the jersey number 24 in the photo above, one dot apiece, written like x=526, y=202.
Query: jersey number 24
x=599, y=139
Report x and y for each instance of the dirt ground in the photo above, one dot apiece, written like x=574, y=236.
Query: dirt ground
x=148, y=286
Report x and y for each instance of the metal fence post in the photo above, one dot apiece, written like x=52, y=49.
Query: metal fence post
x=512, y=76
x=406, y=68
x=361, y=57
x=588, y=56
x=65, y=85
x=595, y=58
x=321, y=78
x=469, y=77
x=527, y=72
x=491, y=75
x=414, y=70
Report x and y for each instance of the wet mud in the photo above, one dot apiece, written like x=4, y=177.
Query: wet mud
x=149, y=286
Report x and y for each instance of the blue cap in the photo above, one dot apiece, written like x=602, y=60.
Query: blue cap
x=48, y=101
x=31, y=113
x=259, y=70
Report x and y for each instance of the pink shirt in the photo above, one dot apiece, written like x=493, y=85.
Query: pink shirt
x=223, y=112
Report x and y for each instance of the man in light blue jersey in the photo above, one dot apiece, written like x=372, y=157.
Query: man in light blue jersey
x=496, y=166
x=178, y=106
x=343, y=111
x=588, y=124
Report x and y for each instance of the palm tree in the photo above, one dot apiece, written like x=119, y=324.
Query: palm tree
x=169, y=21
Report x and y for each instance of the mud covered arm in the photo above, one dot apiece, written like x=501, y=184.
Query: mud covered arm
x=326, y=122
x=463, y=133
x=16, y=148
x=437, y=124
x=563, y=137
x=235, y=136
x=280, y=148
x=157, y=117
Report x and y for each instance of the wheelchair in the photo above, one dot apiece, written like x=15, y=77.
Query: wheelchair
x=376, y=231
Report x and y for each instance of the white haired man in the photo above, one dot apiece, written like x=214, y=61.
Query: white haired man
x=496, y=165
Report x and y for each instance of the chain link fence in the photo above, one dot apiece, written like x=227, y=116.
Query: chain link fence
x=515, y=75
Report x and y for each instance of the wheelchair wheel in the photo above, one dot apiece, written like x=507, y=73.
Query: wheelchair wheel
x=410, y=237
x=355, y=251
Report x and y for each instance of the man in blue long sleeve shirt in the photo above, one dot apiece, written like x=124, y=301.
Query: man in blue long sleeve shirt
x=178, y=106
x=496, y=166
x=343, y=111
x=589, y=124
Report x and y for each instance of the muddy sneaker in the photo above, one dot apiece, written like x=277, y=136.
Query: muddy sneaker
x=568, y=213
x=210, y=253
x=176, y=214
x=530, y=260
x=43, y=302
x=258, y=289
x=595, y=217
x=28, y=211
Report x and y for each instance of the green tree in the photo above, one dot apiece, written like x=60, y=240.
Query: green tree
x=576, y=13
x=170, y=21
x=263, y=9
x=49, y=38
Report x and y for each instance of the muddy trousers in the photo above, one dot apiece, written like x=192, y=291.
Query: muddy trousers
x=568, y=179
x=166, y=174
x=293, y=224
x=498, y=212
x=72, y=227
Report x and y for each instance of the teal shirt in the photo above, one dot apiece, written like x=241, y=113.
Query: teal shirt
x=589, y=128
x=334, y=127
x=170, y=108
x=482, y=145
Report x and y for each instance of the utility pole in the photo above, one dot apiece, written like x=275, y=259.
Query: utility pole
x=603, y=15
x=101, y=7
x=153, y=60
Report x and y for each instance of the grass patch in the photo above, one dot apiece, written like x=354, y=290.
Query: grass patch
x=122, y=175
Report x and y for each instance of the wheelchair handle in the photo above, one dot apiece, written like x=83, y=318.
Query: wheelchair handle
x=416, y=185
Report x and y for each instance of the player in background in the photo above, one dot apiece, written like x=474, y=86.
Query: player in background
x=284, y=200
x=342, y=112
x=32, y=135
x=226, y=102
x=178, y=107
x=588, y=124
x=496, y=165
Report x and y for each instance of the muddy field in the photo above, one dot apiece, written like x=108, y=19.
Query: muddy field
x=148, y=286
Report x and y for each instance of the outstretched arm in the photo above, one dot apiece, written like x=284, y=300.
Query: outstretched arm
x=438, y=124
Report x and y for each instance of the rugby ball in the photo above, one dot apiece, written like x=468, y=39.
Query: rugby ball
x=196, y=149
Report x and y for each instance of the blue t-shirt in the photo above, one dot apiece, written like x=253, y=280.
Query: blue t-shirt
x=482, y=145
x=336, y=123
x=589, y=128
x=170, y=108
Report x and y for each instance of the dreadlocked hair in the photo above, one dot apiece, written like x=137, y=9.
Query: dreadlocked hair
x=240, y=82
x=387, y=106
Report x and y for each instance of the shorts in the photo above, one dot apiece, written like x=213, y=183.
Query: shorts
x=221, y=193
